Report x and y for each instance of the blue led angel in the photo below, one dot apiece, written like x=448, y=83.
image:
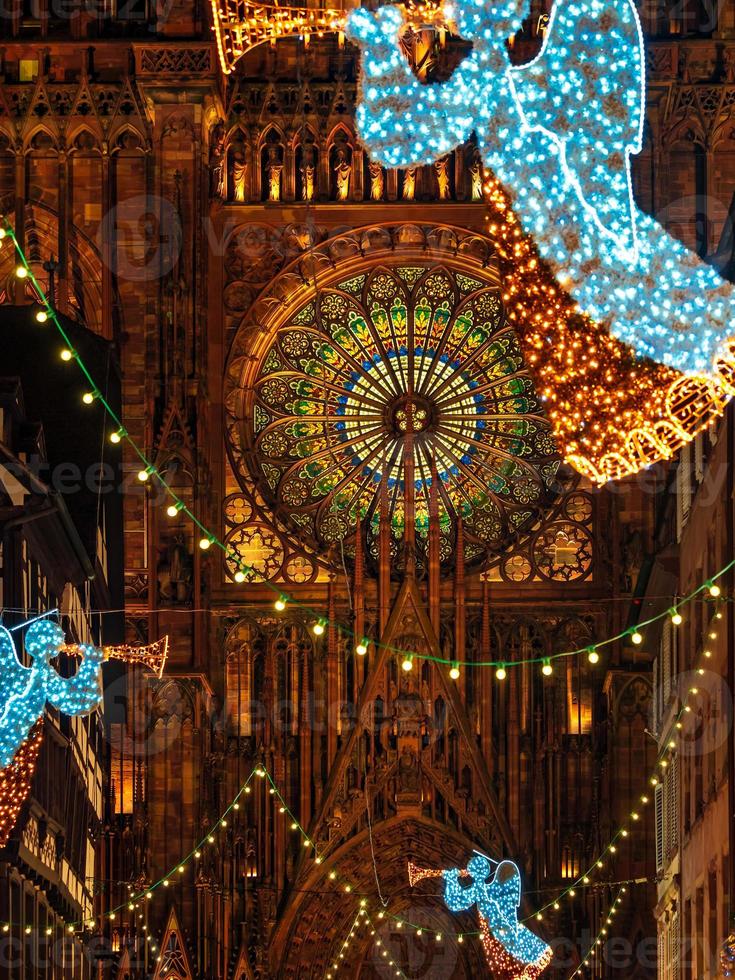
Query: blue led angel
x=25, y=691
x=559, y=133
x=512, y=951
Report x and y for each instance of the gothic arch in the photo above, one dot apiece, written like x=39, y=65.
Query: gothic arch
x=36, y=130
x=88, y=128
x=310, y=930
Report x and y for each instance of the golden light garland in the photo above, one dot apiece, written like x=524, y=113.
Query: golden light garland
x=240, y=25
x=598, y=940
x=503, y=965
x=612, y=413
x=15, y=778
x=15, y=781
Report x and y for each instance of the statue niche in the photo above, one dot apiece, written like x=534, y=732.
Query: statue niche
x=271, y=168
x=307, y=163
x=238, y=170
x=217, y=163
x=443, y=178
x=376, y=176
x=340, y=166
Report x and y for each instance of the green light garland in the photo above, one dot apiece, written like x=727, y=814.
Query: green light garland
x=597, y=941
x=208, y=538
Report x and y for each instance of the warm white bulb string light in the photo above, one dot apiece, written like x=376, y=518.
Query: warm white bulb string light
x=600, y=937
x=208, y=539
x=663, y=760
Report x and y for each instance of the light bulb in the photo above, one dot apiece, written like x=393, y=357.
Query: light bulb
x=172, y=510
x=637, y=638
x=239, y=576
x=21, y=272
x=714, y=590
x=454, y=672
x=407, y=664
x=115, y=437
x=362, y=647
x=547, y=670
x=143, y=475
x=676, y=617
x=88, y=397
x=205, y=543
x=318, y=628
x=280, y=604
x=500, y=673
x=593, y=656
x=41, y=316
x=66, y=354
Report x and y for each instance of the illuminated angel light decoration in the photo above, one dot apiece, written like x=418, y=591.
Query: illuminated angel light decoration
x=558, y=133
x=25, y=691
x=612, y=413
x=512, y=951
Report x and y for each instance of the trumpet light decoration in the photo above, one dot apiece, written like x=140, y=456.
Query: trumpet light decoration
x=25, y=692
x=512, y=951
x=559, y=133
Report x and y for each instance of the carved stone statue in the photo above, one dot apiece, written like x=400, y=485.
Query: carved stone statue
x=217, y=163
x=441, y=169
x=343, y=172
x=308, y=171
x=728, y=65
x=377, y=182
x=409, y=184
x=274, y=169
x=240, y=175
x=175, y=572
x=476, y=177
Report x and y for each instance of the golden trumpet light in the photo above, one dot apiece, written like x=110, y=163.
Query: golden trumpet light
x=152, y=655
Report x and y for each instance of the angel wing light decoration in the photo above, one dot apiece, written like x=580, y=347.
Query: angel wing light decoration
x=559, y=133
x=25, y=692
x=512, y=951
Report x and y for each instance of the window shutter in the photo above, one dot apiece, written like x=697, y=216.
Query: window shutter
x=683, y=489
x=674, y=804
x=666, y=660
x=675, y=971
x=659, y=801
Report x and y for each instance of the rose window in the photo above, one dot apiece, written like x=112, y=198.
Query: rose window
x=404, y=373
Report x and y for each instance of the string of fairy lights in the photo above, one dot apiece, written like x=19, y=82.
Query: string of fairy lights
x=137, y=899
x=177, y=507
x=600, y=937
x=670, y=741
